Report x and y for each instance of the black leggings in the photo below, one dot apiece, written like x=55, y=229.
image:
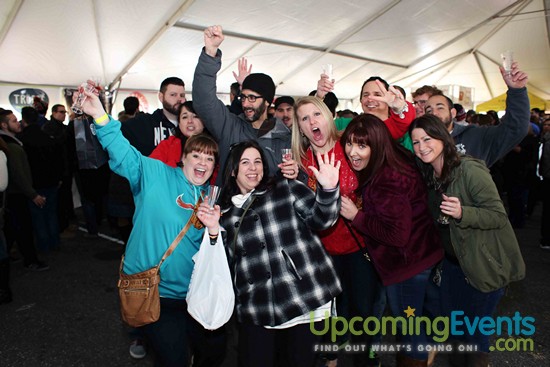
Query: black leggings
x=176, y=336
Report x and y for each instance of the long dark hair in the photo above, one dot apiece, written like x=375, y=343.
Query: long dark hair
x=435, y=128
x=369, y=130
x=230, y=187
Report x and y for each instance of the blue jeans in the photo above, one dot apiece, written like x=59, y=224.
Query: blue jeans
x=44, y=220
x=410, y=293
x=458, y=295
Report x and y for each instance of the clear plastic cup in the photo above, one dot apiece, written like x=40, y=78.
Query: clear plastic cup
x=286, y=154
x=507, y=60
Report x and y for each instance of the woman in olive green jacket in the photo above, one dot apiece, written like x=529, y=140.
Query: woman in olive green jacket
x=482, y=254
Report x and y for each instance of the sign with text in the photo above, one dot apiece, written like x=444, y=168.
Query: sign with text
x=25, y=97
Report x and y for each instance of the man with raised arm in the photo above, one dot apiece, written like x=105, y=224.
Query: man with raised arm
x=493, y=142
x=257, y=93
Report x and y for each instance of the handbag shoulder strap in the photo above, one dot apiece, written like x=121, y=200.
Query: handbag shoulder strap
x=363, y=249
x=176, y=241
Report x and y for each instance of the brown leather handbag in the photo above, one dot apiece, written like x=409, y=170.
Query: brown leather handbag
x=139, y=293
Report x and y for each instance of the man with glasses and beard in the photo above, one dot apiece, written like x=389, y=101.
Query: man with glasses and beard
x=257, y=93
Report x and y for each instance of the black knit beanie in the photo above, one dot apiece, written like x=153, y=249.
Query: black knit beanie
x=261, y=84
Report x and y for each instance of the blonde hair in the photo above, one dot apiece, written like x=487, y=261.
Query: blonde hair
x=299, y=142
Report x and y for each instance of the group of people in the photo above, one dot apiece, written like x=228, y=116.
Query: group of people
x=385, y=208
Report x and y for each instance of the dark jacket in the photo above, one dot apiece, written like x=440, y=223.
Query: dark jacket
x=544, y=165
x=491, y=143
x=45, y=155
x=397, y=225
x=282, y=269
x=146, y=131
x=19, y=171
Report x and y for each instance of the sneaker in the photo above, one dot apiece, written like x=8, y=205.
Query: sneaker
x=544, y=246
x=37, y=266
x=137, y=349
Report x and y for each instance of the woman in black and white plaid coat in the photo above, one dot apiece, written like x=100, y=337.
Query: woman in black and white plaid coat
x=283, y=277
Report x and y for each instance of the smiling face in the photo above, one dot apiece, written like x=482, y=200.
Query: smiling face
x=189, y=123
x=369, y=105
x=439, y=106
x=314, y=126
x=254, y=112
x=358, y=154
x=250, y=171
x=428, y=149
x=198, y=167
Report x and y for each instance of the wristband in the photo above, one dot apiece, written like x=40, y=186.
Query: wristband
x=102, y=119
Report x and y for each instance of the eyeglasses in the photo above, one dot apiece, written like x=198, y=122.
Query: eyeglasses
x=251, y=98
x=420, y=102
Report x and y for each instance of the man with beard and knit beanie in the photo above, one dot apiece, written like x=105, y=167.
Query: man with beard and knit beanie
x=257, y=93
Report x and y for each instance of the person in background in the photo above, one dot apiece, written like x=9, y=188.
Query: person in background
x=5, y=291
x=46, y=162
x=284, y=110
x=179, y=191
x=420, y=97
x=145, y=131
x=57, y=130
x=41, y=106
x=395, y=221
x=544, y=174
x=18, y=222
x=283, y=278
x=493, y=142
x=482, y=255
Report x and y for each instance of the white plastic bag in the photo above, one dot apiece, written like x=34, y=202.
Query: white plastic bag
x=210, y=298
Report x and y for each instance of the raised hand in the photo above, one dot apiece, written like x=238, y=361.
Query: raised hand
x=324, y=85
x=243, y=70
x=92, y=105
x=328, y=173
x=213, y=37
x=516, y=78
x=392, y=97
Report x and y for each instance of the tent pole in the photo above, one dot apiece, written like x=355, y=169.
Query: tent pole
x=9, y=19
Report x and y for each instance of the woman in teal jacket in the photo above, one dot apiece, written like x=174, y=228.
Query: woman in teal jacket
x=482, y=255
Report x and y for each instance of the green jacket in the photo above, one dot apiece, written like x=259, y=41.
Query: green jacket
x=483, y=240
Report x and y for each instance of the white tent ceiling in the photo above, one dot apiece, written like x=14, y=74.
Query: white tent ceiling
x=407, y=42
